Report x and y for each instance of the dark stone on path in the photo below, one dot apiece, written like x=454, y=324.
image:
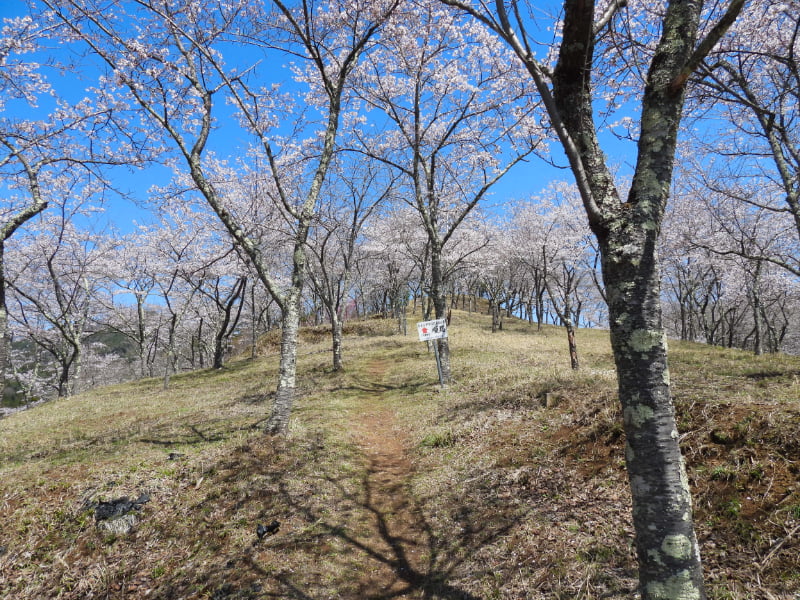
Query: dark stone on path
x=120, y=506
x=264, y=530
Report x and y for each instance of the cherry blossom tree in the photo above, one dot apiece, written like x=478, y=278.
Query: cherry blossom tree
x=168, y=59
x=752, y=83
x=552, y=239
x=727, y=180
x=44, y=151
x=222, y=282
x=687, y=269
x=746, y=153
x=207, y=272
x=450, y=112
x=491, y=266
x=718, y=269
x=527, y=232
x=54, y=281
x=130, y=275
x=200, y=281
x=355, y=191
x=563, y=251
x=391, y=259
x=659, y=46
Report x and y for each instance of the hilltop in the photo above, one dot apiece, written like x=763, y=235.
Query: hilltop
x=510, y=483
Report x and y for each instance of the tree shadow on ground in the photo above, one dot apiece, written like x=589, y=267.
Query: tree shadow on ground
x=387, y=552
x=338, y=537
x=360, y=384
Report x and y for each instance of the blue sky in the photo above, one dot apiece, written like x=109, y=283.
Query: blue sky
x=119, y=211
x=523, y=181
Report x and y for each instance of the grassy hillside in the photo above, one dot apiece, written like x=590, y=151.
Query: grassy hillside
x=508, y=484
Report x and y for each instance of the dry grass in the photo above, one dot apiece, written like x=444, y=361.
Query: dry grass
x=504, y=498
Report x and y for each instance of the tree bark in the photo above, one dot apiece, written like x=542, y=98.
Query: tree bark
x=199, y=347
x=573, y=345
x=141, y=333
x=439, y=299
x=667, y=549
x=755, y=298
x=278, y=422
x=336, y=340
x=4, y=342
x=169, y=358
x=666, y=545
x=494, y=308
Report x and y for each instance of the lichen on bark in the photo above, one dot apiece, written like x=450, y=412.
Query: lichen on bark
x=637, y=414
x=644, y=340
x=678, y=587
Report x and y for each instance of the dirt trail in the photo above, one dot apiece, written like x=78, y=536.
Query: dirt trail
x=397, y=570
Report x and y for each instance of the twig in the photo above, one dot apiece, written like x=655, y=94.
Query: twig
x=775, y=547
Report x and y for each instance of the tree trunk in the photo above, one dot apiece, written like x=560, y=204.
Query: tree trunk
x=141, y=333
x=758, y=343
x=565, y=318
x=402, y=319
x=200, y=347
x=4, y=346
x=278, y=422
x=667, y=549
x=666, y=546
x=682, y=303
x=253, y=324
x=573, y=346
x=169, y=362
x=539, y=302
x=63, y=382
x=77, y=361
x=494, y=310
x=220, y=343
x=225, y=329
x=336, y=335
x=4, y=343
x=65, y=377
x=440, y=309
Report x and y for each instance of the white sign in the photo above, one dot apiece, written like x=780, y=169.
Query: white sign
x=432, y=330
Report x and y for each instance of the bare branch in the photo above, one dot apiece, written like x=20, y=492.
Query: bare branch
x=611, y=10
x=707, y=44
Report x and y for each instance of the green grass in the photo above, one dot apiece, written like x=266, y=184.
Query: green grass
x=504, y=497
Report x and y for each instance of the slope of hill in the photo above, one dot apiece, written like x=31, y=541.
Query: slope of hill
x=510, y=483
